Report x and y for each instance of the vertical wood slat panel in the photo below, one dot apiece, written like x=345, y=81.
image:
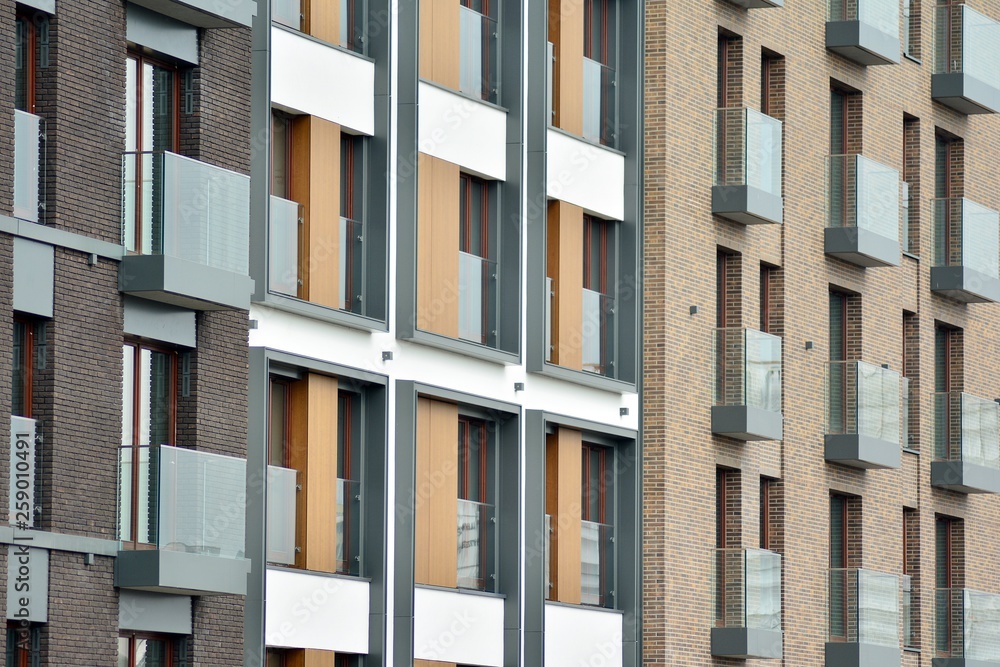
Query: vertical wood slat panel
x=566, y=27
x=565, y=266
x=563, y=498
x=437, y=245
x=323, y=19
x=439, y=42
x=436, y=494
x=311, y=658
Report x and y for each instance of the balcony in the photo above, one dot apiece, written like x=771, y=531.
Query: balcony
x=966, y=251
x=747, y=168
x=598, y=333
x=476, y=546
x=966, y=61
x=863, y=619
x=29, y=134
x=862, y=415
x=747, y=603
x=477, y=299
x=967, y=628
x=186, y=228
x=758, y=4
x=862, y=212
x=184, y=513
x=966, y=443
x=747, y=385
x=597, y=564
x=865, y=31
x=206, y=13
x=478, y=63
x=281, y=490
x=599, y=103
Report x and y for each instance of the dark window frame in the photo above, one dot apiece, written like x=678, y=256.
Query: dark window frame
x=27, y=30
x=606, y=504
x=27, y=361
x=174, y=654
x=23, y=644
x=350, y=453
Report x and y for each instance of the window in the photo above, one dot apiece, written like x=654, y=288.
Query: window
x=599, y=63
x=911, y=380
x=767, y=497
x=149, y=419
x=479, y=66
x=281, y=146
x=477, y=266
x=23, y=645
x=349, y=490
x=841, y=543
x=140, y=650
x=352, y=231
x=911, y=28
x=31, y=53
x=28, y=357
x=911, y=577
x=597, y=528
x=911, y=184
x=948, y=580
x=475, y=503
x=598, y=296
x=279, y=424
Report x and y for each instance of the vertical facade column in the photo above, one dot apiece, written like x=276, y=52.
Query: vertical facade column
x=563, y=494
x=436, y=494
x=437, y=245
x=565, y=267
x=566, y=34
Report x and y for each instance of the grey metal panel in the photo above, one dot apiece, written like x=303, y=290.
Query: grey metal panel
x=535, y=584
x=584, y=378
x=403, y=521
x=758, y=4
x=746, y=643
x=852, y=654
x=63, y=542
x=182, y=283
x=256, y=509
x=154, y=612
x=206, y=13
x=965, y=477
x=161, y=33
x=159, y=321
x=964, y=284
x=180, y=572
x=745, y=422
x=862, y=451
x=746, y=204
x=48, y=6
x=961, y=662
x=322, y=313
x=460, y=346
x=862, y=43
x=861, y=246
x=964, y=93
x=61, y=238
x=34, y=268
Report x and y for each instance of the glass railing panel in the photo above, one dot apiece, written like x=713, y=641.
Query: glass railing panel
x=908, y=607
x=28, y=129
x=476, y=298
x=863, y=399
x=352, y=265
x=281, y=489
x=24, y=505
x=747, y=149
x=883, y=15
x=547, y=556
x=201, y=502
x=965, y=41
x=348, y=527
x=287, y=13
x=478, y=63
x=283, y=246
x=599, y=102
x=863, y=607
x=863, y=193
x=967, y=429
x=475, y=540
x=904, y=216
x=967, y=624
x=138, y=494
x=598, y=333
x=550, y=80
x=597, y=573
x=353, y=18
x=980, y=238
x=549, y=296
x=904, y=423
x=748, y=369
x=747, y=589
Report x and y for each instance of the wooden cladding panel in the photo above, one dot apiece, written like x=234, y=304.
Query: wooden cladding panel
x=323, y=20
x=565, y=267
x=436, y=494
x=310, y=658
x=437, y=245
x=315, y=184
x=566, y=34
x=439, y=48
x=313, y=452
x=563, y=497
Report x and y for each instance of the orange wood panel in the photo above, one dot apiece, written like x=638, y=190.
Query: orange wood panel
x=437, y=245
x=313, y=452
x=436, y=494
x=563, y=494
x=323, y=19
x=315, y=184
x=566, y=34
x=310, y=658
x=439, y=29
x=565, y=266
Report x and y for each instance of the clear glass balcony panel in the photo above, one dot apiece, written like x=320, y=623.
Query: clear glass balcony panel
x=281, y=491
x=550, y=80
x=967, y=624
x=864, y=607
x=748, y=149
x=904, y=424
x=864, y=399
x=747, y=589
x=549, y=296
x=477, y=282
x=748, y=369
x=28, y=130
x=475, y=540
x=966, y=429
x=352, y=265
x=478, y=64
x=883, y=15
x=353, y=18
x=863, y=193
x=599, y=102
x=547, y=556
x=965, y=41
x=966, y=234
x=348, y=527
x=597, y=564
x=186, y=209
x=283, y=247
x=287, y=13
x=907, y=608
x=136, y=472
x=598, y=329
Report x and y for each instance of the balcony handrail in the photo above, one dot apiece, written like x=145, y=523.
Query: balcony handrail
x=863, y=606
x=283, y=246
x=968, y=236
x=600, y=100
x=883, y=15
x=975, y=52
x=748, y=368
x=755, y=159
x=863, y=193
x=29, y=135
x=863, y=399
x=967, y=428
x=747, y=588
x=281, y=515
x=970, y=627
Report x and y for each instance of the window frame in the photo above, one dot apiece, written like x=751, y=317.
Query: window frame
x=27, y=360
x=29, y=52
x=489, y=241
x=21, y=653
x=350, y=463
x=174, y=652
x=488, y=486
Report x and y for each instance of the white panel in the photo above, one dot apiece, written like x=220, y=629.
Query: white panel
x=585, y=174
x=309, y=77
x=457, y=627
x=319, y=612
x=582, y=636
x=461, y=130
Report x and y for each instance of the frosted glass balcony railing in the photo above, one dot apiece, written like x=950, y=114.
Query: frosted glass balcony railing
x=863, y=399
x=904, y=423
x=28, y=137
x=597, y=564
x=183, y=208
x=547, y=556
x=747, y=150
x=598, y=333
x=353, y=22
x=283, y=247
x=966, y=234
x=184, y=500
x=883, y=15
x=965, y=42
x=287, y=13
x=348, y=527
x=475, y=545
x=747, y=589
x=550, y=74
x=909, y=609
x=864, y=607
x=747, y=369
x=281, y=490
x=479, y=67
x=966, y=428
x=599, y=103
x=863, y=193
x=967, y=625
x=352, y=265
x=549, y=295
x=477, y=280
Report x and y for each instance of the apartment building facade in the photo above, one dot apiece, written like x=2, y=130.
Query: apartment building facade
x=819, y=424
x=124, y=218
x=444, y=348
